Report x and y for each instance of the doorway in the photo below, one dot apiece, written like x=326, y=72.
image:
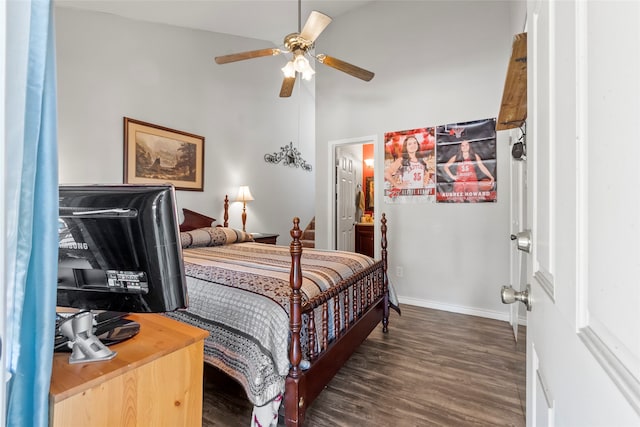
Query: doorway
x=349, y=178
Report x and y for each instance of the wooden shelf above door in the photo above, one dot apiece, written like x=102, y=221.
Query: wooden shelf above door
x=513, y=109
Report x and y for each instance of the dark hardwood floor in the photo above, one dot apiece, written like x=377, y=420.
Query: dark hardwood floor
x=433, y=368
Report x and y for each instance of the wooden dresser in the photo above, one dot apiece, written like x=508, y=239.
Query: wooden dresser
x=364, y=238
x=154, y=380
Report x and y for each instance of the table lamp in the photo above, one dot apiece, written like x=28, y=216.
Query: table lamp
x=244, y=195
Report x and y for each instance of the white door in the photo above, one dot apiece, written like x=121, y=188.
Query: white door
x=583, y=333
x=346, y=175
x=518, y=277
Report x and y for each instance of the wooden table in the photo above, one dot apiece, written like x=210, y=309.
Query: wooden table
x=154, y=380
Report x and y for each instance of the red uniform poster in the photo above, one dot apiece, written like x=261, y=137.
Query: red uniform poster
x=409, y=166
x=466, y=162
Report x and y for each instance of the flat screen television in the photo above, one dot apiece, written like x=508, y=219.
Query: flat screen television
x=119, y=250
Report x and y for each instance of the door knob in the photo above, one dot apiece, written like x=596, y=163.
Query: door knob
x=510, y=295
x=523, y=240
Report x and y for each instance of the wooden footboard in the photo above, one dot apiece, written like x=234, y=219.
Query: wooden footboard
x=364, y=298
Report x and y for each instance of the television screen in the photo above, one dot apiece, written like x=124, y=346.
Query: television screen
x=119, y=249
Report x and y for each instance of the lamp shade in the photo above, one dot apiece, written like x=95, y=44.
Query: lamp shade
x=244, y=194
x=289, y=70
x=300, y=64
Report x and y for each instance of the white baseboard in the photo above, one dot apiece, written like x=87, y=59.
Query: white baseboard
x=489, y=314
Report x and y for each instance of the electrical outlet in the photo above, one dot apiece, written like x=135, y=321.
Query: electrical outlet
x=399, y=271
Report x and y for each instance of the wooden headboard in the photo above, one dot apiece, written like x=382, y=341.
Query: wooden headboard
x=193, y=219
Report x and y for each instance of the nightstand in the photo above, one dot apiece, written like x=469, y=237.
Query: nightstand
x=265, y=238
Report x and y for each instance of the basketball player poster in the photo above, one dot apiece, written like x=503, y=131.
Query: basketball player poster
x=409, y=166
x=466, y=162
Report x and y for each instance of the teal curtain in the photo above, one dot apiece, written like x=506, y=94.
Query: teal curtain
x=32, y=194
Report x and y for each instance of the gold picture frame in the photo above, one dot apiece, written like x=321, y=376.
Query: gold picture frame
x=155, y=154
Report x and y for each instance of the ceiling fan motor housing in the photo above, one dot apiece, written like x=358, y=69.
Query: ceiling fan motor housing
x=295, y=42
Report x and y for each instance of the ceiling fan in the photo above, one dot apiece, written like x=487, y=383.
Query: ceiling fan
x=300, y=45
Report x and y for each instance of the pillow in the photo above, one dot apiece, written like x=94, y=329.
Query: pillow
x=213, y=236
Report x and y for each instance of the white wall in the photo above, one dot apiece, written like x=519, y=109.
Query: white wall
x=110, y=67
x=435, y=63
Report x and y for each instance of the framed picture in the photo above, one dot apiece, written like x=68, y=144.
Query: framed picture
x=155, y=154
x=368, y=194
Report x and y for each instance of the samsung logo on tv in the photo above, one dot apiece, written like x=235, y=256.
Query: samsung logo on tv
x=73, y=245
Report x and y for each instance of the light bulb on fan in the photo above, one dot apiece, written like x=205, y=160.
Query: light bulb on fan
x=300, y=63
x=308, y=74
x=289, y=70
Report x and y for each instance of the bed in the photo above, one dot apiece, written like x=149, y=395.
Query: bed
x=280, y=323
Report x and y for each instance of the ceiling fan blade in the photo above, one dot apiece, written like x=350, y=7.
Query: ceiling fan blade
x=246, y=55
x=351, y=69
x=287, y=86
x=316, y=23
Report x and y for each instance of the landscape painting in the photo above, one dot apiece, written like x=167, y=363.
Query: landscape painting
x=155, y=154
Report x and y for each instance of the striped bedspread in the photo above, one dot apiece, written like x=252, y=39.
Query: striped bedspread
x=240, y=294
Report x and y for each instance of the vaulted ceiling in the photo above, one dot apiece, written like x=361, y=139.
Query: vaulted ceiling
x=260, y=19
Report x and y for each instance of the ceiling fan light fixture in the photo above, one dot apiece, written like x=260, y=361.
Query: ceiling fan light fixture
x=308, y=75
x=298, y=64
x=289, y=70
x=301, y=64
x=300, y=45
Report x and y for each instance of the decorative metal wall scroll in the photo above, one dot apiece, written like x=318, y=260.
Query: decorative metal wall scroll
x=289, y=156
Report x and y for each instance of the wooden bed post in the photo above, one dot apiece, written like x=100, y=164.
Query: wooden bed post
x=226, y=210
x=383, y=229
x=294, y=403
